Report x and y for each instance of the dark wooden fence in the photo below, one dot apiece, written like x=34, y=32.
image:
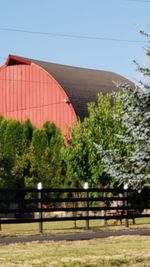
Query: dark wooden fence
x=32, y=205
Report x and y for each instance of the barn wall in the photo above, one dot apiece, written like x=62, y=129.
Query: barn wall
x=28, y=91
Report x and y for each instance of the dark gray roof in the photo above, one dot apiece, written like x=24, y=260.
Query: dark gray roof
x=80, y=84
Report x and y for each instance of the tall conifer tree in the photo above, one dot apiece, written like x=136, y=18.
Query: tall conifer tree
x=133, y=167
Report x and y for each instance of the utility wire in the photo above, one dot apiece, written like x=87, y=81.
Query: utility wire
x=71, y=36
x=140, y=1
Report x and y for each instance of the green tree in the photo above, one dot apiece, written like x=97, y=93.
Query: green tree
x=27, y=132
x=83, y=163
x=3, y=174
x=21, y=168
x=45, y=157
x=13, y=139
x=134, y=167
x=13, y=151
x=10, y=148
x=3, y=125
x=29, y=155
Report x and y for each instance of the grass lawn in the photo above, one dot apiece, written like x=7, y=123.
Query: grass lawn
x=131, y=251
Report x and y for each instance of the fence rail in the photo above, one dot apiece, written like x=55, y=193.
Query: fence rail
x=33, y=205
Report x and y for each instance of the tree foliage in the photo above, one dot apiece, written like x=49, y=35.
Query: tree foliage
x=45, y=156
x=29, y=155
x=80, y=156
x=134, y=167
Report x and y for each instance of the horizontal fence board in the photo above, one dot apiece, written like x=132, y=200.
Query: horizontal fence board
x=66, y=190
x=16, y=203
x=115, y=208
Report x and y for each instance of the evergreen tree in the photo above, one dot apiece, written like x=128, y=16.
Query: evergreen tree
x=13, y=153
x=21, y=168
x=45, y=157
x=13, y=139
x=29, y=155
x=27, y=132
x=55, y=145
x=3, y=125
x=3, y=162
x=133, y=167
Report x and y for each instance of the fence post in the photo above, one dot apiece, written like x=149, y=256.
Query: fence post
x=126, y=204
x=86, y=187
x=39, y=187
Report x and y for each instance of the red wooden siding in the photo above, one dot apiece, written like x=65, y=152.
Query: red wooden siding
x=28, y=91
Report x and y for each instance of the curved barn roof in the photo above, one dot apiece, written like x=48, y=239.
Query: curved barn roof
x=80, y=84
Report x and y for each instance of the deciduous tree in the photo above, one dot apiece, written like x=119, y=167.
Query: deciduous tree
x=82, y=160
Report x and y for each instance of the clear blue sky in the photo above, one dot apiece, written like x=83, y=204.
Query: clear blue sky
x=110, y=19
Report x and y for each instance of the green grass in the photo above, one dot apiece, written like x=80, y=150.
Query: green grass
x=66, y=227
x=122, y=251
x=109, y=252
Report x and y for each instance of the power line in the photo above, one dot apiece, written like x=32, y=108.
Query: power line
x=71, y=36
x=140, y=1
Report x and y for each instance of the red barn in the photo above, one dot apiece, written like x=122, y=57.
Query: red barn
x=43, y=91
